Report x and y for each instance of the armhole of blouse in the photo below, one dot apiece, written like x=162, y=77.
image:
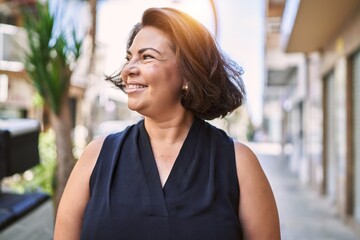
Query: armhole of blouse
x=236, y=169
x=97, y=163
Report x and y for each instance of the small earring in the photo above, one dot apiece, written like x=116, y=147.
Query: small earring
x=185, y=87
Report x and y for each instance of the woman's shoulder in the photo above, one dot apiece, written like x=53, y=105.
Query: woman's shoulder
x=91, y=152
x=102, y=144
x=243, y=152
x=95, y=145
x=247, y=163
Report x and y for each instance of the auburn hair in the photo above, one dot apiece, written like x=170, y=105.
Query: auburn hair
x=215, y=86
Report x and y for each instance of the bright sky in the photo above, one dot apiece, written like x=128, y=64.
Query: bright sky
x=241, y=29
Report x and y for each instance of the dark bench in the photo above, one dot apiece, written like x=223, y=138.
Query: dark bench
x=14, y=206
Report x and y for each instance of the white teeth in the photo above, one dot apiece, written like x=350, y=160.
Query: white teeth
x=135, y=86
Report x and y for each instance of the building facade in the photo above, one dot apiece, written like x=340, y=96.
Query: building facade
x=320, y=96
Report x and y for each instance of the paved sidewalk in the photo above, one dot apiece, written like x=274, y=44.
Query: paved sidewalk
x=304, y=215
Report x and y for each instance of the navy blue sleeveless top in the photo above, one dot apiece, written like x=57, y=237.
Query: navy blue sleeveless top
x=198, y=201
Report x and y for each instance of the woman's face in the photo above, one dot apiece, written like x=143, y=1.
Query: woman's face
x=151, y=75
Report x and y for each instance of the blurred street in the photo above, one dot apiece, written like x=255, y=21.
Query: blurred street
x=304, y=215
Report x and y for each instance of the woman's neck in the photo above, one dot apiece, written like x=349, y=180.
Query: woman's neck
x=169, y=130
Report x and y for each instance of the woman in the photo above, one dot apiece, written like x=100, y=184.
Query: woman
x=172, y=175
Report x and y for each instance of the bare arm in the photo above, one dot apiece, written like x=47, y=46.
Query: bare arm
x=257, y=208
x=76, y=195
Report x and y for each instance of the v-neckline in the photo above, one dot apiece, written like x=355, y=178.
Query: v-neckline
x=146, y=145
x=158, y=193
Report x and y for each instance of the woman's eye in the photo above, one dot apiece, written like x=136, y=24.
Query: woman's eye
x=146, y=56
x=127, y=58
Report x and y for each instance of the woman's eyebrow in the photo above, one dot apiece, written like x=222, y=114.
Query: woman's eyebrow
x=142, y=50
x=149, y=48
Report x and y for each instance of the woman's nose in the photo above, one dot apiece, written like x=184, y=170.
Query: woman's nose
x=130, y=69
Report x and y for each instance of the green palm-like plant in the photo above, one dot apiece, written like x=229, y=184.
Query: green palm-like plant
x=48, y=63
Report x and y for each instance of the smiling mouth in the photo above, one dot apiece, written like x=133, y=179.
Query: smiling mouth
x=134, y=87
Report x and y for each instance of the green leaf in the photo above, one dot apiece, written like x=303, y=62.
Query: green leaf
x=48, y=59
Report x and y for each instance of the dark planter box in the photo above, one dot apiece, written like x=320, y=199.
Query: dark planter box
x=18, y=146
